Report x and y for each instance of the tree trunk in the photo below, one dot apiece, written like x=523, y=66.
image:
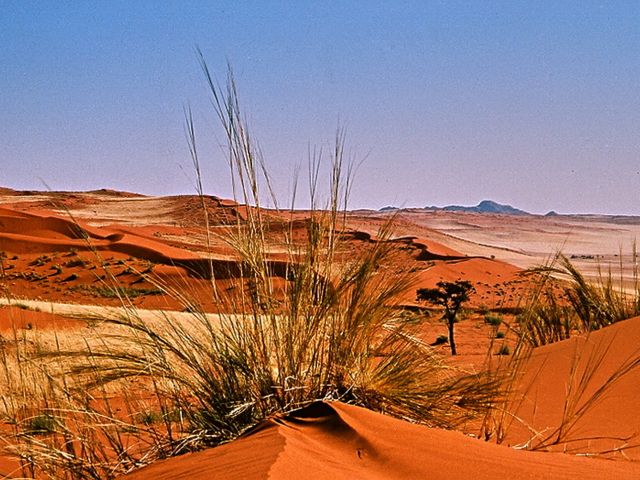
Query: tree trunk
x=452, y=341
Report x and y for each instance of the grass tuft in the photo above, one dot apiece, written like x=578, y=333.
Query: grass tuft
x=317, y=322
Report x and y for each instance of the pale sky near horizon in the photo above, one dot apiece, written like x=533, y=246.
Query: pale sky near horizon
x=534, y=104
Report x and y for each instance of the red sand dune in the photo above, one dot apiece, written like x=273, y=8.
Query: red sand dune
x=337, y=441
x=473, y=269
x=32, y=233
x=434, y=250
x=551, y=376
x=40, y=232
x=22, y=232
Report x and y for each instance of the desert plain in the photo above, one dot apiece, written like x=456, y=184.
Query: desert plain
x=571, y=406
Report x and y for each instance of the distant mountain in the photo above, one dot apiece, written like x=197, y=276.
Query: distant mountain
x=486, y=206
x=389, y=208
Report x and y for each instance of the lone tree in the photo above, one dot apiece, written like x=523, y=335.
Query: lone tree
x=451, y=296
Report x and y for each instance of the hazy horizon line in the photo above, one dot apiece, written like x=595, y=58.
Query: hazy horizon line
x=380, y=209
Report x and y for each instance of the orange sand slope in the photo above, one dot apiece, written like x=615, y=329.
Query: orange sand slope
x=337, y=441
x=31, y=233
x=551, y=383
x=22, y=232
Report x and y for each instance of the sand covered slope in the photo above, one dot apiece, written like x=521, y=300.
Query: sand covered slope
x=337, y=441
x=22, y=232
x=591, y=384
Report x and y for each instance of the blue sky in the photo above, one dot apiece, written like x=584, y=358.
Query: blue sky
x=535, y=104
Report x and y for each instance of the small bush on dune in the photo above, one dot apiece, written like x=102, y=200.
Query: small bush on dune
x=504, y=350
x=122, y=292
x=41, y=424
x=441, y=340
x=78, y=262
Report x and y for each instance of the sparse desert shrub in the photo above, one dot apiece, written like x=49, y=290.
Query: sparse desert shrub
x=441, y=340
x=504, y=350
x=586, y=305
x=125, y=292
x=544, y=319
x=41, y=424
x=150, y=417
x=33, y=276
x=493, y=320
x=603, y=301
x=500, y=335
x=149, y=268
x=40, y=261
x=77, y=262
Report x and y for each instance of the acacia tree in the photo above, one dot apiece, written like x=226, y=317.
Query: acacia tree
x=451, y=296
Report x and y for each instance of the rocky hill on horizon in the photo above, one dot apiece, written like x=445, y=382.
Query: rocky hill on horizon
x=486, y=206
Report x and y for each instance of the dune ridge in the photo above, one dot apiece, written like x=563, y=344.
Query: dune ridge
x=342, y=442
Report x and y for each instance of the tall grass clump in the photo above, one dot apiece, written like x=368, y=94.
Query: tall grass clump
x=546, y=317
x=605, y=300
x=54, y=427
x=562, y=300
x=304, y=318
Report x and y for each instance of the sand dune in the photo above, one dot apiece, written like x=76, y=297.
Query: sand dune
x=552, y=381
x=35, y=232
x=22, y=232
x=31, y=233
x=337, y=441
